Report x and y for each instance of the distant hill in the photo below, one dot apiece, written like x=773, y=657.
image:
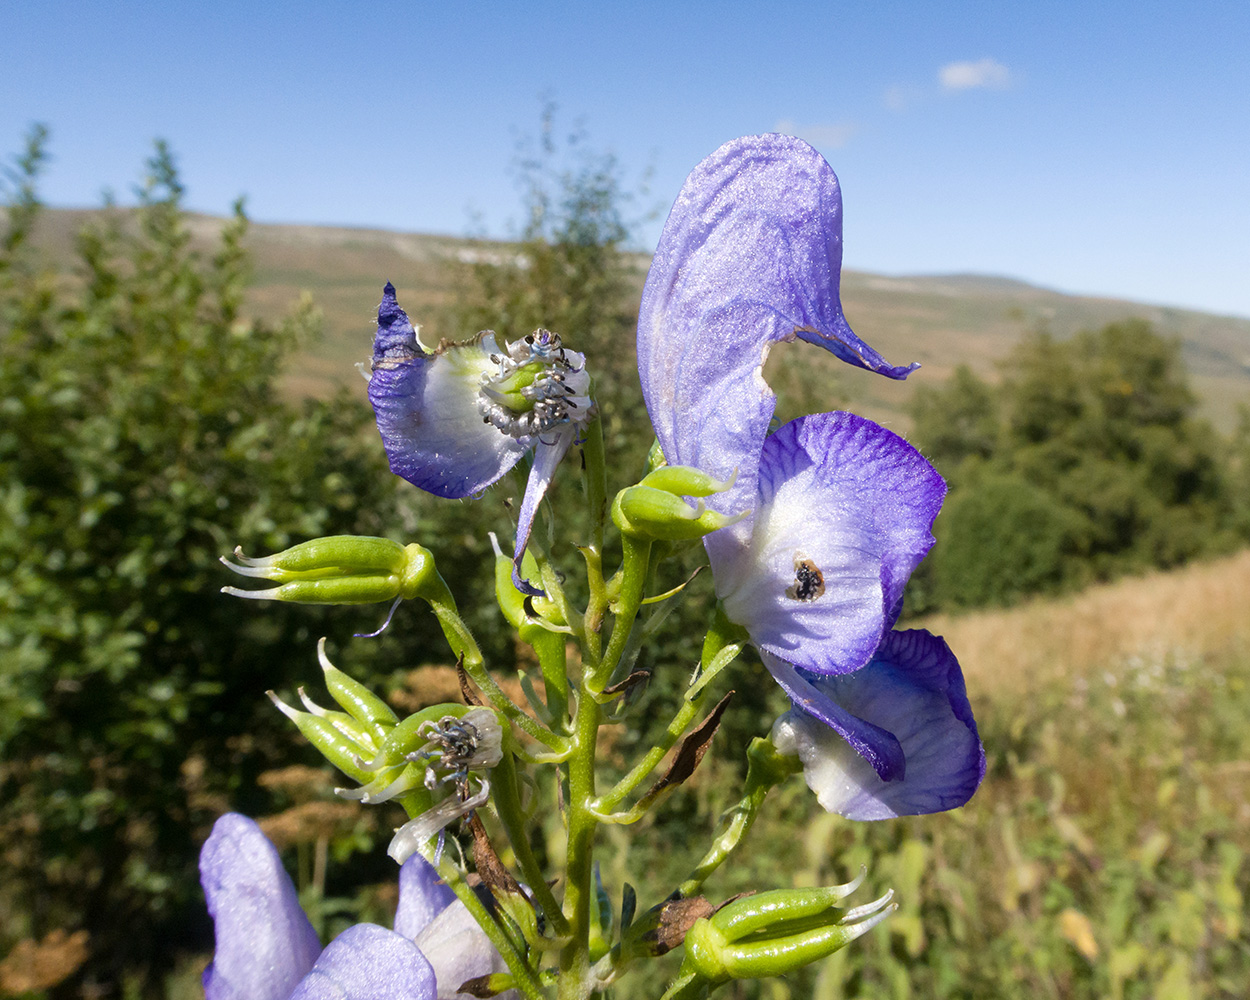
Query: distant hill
x=939, y=320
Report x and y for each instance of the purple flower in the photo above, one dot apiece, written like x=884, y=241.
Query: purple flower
x=455, y=419
x=895, y=738
x=750, y=256
x=267, y=949
x=842, y=517
x=840, y=509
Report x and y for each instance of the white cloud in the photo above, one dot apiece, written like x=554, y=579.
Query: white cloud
x=986, y=72
x=820, y=136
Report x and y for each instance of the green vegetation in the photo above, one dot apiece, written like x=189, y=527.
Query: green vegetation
x=142, y=437
x=1084, y=462
x=145, y=432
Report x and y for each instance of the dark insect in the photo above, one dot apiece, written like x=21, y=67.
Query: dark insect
x=809, y=582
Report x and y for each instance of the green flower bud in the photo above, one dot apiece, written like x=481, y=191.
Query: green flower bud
x=648, y=513
x=774, y=933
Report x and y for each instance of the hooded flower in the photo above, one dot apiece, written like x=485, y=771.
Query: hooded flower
x=267, y=950
x=750, y=256
x=454, y=420
x=840, y=510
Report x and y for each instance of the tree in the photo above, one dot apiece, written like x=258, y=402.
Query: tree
x=143, y=437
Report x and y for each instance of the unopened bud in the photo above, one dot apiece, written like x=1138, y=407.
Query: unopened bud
x=683, y=480
x=658, y=515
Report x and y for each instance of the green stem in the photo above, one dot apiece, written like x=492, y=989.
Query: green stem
x=595, y=480
x=724, y=642
x=508, y=807
x=463, y=645
x=524, y=977
x=688, y=987
x=579, y=874
x=766, y=768
x=636, y=555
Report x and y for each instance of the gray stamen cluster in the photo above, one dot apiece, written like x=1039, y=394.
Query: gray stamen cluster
x=554, y=392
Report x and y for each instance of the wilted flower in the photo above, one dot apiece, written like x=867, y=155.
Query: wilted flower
x=455, y=419
x=839, y=510
x=456, y=746
x=267, y=950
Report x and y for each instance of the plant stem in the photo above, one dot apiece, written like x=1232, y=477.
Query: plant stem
x=579, y=873
x=508, y=808
x=765, y=769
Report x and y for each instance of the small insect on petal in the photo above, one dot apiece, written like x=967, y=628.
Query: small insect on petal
x=809, y=582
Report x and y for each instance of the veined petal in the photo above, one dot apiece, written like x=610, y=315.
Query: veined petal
x=368, y=962
x=422, y=896
x=443, y=929
x=876, y=748
x=843, y=515
x=427, y=410
x=265, y=944
x=912, y=689
x=751, y=255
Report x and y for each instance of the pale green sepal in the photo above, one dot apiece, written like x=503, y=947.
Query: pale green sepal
x=356, y=699
x=341, y=569
x=336, y=747
x=775, y=933
x=331, y=555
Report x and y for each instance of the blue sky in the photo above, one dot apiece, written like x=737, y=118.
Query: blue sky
x=1100, y=148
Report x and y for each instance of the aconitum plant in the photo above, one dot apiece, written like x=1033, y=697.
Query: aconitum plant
x=811, y=529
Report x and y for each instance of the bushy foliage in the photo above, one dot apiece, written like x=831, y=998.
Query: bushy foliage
x=142, y=437
x=1086, y=461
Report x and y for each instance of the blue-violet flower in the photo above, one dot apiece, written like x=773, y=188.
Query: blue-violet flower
x=840, y=510
x=267, y=950
x=455, y=419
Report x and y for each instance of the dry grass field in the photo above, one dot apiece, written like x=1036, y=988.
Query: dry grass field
x=1191, y=614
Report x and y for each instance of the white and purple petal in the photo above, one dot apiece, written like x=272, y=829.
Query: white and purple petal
x=913, y=692
x=423, y=895
x=368, y=962
x=427, y=410
x=265, y=944
x=843, y=516
x=750, y=256
x=444, y=930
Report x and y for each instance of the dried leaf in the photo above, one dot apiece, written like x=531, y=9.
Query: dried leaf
x=690, y=752
x=487, y=863
x=672, y=920
x=637, y=677
x=470, y=696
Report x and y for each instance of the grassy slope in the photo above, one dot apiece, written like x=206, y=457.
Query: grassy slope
x=939, y=321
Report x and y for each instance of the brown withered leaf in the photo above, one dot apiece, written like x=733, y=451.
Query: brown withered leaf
x=478, y=986
x=487, y=863
x=673, y=919
x=690, y=752
x=470, y=696
x=620, y=687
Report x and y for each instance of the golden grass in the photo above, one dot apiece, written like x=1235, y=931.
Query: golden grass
x=1195, y=612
